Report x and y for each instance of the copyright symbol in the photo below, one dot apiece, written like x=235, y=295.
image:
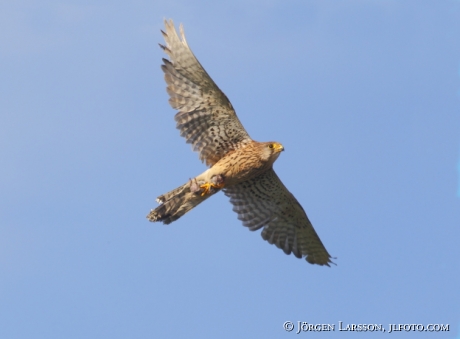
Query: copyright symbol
x=288, y=326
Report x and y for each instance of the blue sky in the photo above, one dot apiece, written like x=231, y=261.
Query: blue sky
x=362, y=94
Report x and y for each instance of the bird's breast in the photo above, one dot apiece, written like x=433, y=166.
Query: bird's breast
x=239, y=166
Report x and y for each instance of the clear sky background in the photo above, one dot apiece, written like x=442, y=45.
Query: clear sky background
x=363, y=94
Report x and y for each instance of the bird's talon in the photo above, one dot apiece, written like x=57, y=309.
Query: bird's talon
x=207, y=187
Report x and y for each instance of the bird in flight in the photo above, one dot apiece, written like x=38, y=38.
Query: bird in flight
x=239, y=166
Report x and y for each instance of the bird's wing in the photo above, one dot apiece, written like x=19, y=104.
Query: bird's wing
x=206, y=117
x=265, y=202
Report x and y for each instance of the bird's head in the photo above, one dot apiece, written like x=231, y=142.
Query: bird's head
x=271, y=151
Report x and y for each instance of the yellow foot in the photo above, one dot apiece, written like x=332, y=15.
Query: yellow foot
x=207, y=187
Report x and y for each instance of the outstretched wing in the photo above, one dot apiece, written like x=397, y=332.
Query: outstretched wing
x=206, y=117
x=265, y=202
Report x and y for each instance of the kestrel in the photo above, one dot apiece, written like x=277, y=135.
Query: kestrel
x=240, y=166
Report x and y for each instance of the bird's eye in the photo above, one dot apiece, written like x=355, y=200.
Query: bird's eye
x=270, y=146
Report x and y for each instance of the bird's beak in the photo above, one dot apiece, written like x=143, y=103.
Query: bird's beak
x=279, y=148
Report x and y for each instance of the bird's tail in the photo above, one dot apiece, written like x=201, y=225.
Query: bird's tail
x=179, y=201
